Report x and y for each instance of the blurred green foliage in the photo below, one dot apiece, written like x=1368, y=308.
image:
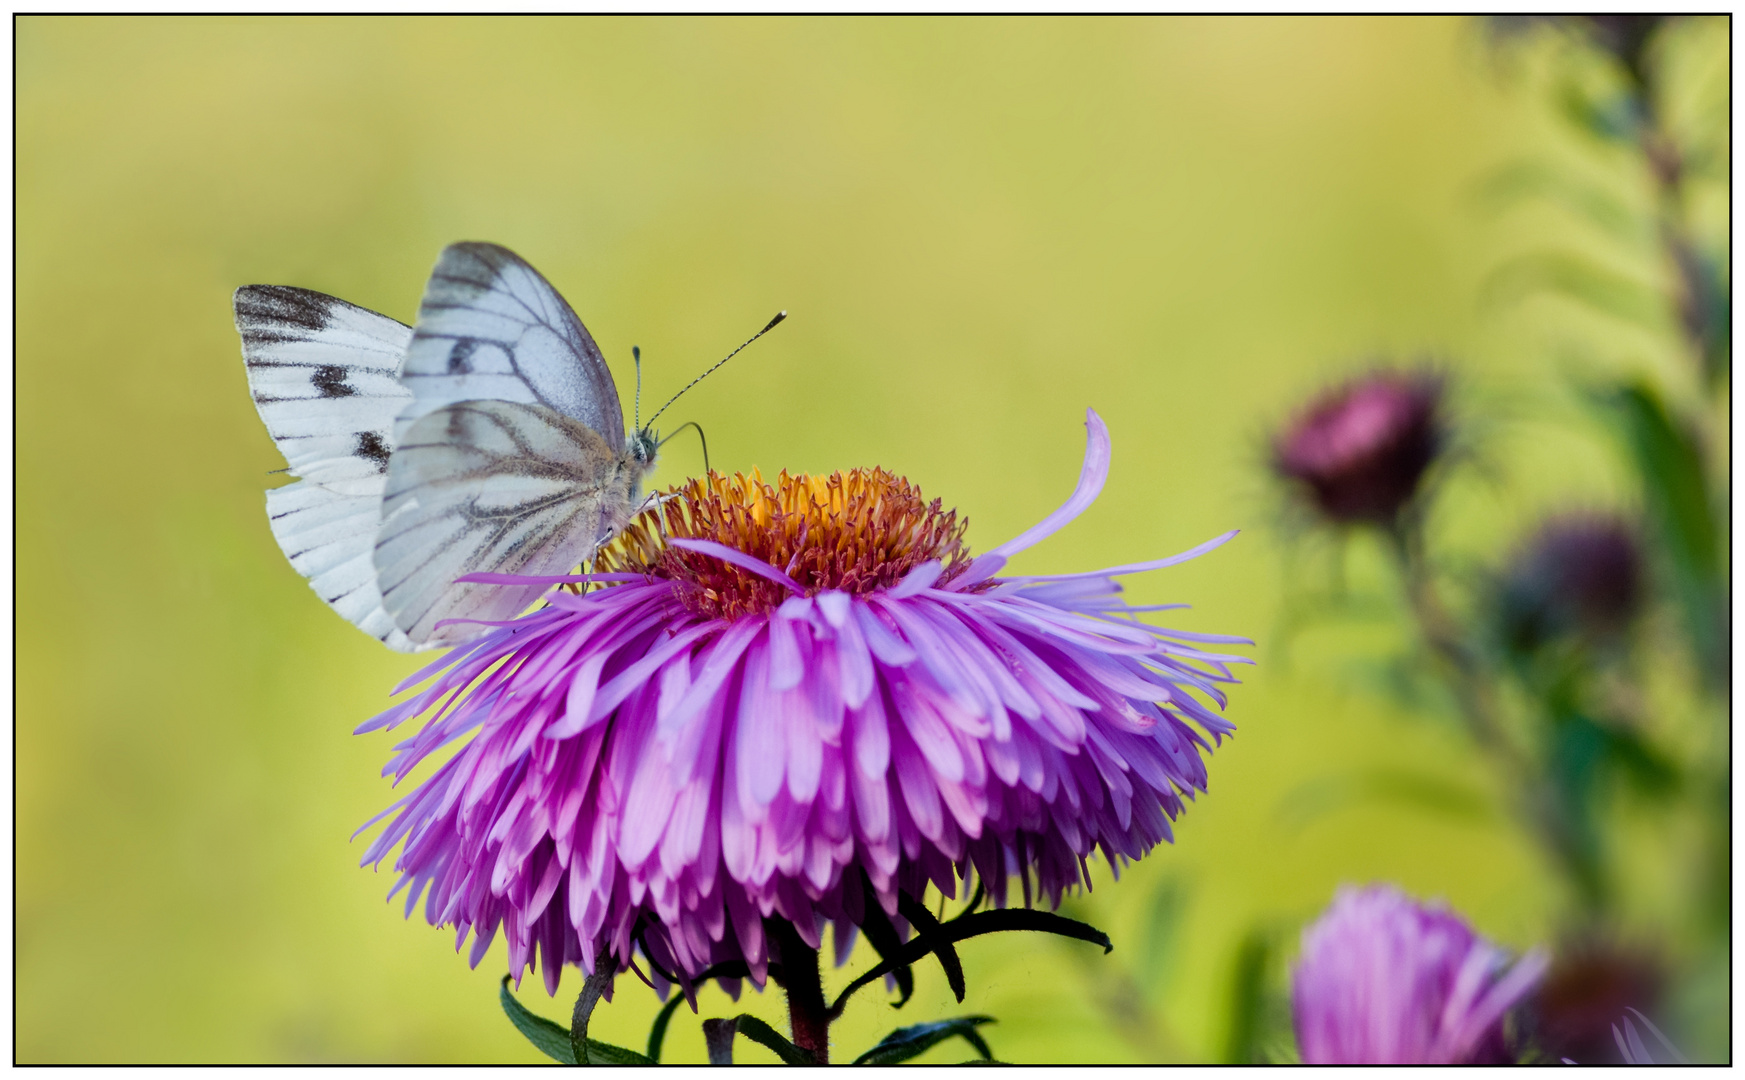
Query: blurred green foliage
x=979, y=228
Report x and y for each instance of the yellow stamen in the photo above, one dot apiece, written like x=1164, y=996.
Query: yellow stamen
x=855, y=531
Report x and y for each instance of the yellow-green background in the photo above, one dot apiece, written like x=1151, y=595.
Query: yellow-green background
x=979, y=228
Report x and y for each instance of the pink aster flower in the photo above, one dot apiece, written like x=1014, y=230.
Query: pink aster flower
x=1384, y=980
x=795, y=702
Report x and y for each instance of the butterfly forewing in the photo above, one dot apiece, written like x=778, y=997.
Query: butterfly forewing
x=324, y=375
x=497, y=486
x=491, y=328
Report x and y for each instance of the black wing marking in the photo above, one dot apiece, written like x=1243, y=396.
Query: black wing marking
x=324, y=375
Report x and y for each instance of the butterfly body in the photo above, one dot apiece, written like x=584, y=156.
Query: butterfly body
x=486, y=438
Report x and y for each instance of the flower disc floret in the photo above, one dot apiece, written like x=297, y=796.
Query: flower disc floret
x=800, y=701
x=852, y=532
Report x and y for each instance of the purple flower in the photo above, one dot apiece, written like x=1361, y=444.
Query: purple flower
x=794, y=700
x=1360, y=450
x=1383, y=980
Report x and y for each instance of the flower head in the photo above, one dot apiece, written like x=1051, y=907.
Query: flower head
x=1383, y=980
x=1579, y=574
x=1360, y=450
x=797, y=699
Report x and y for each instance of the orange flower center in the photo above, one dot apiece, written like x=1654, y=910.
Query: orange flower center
x=855, y=531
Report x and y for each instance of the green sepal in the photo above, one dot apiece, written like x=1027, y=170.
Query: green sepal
x=907, y=1042
x=553, y=1040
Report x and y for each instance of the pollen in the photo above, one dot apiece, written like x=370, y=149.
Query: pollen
x=855, y=531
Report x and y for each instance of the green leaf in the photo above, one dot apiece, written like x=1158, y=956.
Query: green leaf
x=1247, y=999
x=929, y=927
x=1579, y=279
x=1314, y=799
x=1669, y=458
x=552, y=1040
x=602, y=1053
x=1046, y=922
x=731, y=969
x=1615, y=120
x=1539, y=179
x=1576, y=756
x=1647, y=768
x=719, y=1034
x=971, y=925
x=907, y=1042
x=657, y=1033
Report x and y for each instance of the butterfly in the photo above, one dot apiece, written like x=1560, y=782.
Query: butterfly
x=487, y=438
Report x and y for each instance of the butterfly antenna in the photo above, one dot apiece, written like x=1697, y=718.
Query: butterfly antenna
x=700, y=438
x=780, y=315
x=636, y=355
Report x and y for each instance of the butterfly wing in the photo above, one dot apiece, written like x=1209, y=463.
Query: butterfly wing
x=324, y=375
x=497, y=486
x=491, y=328
x=510, y=454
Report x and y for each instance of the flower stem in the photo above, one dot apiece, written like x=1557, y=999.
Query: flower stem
x=1460, y=668
x=807, y=1012
x=1467, y=676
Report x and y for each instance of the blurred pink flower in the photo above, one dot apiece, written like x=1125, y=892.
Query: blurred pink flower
x=1360, y=449
x=1386, y=981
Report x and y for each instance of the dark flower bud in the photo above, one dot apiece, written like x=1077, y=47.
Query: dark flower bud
x=1590, y=987
x=1360, y=450
x=1579, y=574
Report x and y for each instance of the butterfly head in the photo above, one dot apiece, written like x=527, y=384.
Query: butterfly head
x=643, y=445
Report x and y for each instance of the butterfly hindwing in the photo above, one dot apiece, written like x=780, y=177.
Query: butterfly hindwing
x=498, y=486
x=324, y=375
x=491, y=328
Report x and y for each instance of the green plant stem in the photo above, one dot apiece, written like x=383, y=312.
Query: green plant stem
x=1472, y=685
x=1455, y=662
x=807, y=1013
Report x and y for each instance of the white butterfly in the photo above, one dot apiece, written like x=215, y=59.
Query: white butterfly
x=489, y=438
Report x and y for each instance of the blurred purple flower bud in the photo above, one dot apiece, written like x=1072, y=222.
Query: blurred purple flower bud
x=1384, y=980
x=1361, y=449
x=1580, y=573
x=1589, y=989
